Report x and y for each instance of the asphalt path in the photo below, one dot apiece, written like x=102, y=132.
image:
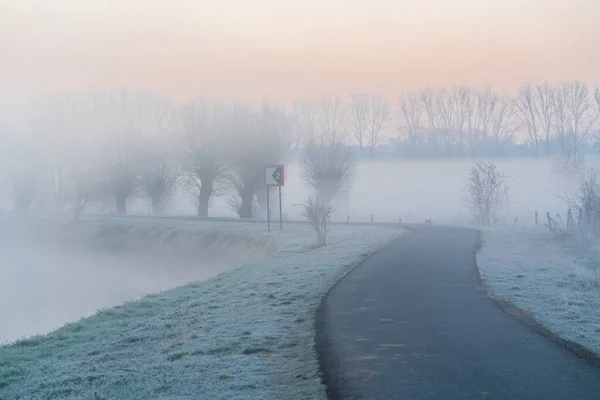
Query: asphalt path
x=414, y=322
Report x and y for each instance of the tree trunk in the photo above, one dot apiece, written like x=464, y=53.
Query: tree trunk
x=247, y=196
x=121, y=204
x=204, y=199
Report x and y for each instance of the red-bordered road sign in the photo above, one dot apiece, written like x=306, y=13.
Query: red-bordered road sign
x=274, y=175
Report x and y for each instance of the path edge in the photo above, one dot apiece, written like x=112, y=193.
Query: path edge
x=319, y=322
x=528, y=319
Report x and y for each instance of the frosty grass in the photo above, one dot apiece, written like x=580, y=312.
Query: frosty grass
x=245, y=334
x=555, y=282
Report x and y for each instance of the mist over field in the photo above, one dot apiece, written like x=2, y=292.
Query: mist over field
x=45, y=287
x=419, y=190
x=457, y=156
x=144, y=145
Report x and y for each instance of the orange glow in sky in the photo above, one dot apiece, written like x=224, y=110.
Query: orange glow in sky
x=279, y=50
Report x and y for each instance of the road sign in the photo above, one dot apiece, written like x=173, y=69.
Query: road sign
x=274, y=175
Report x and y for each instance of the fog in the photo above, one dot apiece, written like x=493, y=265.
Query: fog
x=44, y=287
x=74, y=154
x=136, y=152
x=419, y=190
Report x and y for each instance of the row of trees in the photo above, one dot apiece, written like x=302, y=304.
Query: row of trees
x=463, y=121
x=109, y=148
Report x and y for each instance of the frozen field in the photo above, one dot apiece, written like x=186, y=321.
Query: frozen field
x=247, y=333
x=556, y=283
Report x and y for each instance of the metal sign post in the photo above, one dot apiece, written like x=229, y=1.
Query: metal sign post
x=280, y=212
x=274, y=176
x=268, y=210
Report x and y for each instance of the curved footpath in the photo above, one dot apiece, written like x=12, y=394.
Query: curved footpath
x=414, y=322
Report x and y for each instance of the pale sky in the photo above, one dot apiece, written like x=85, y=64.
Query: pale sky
x=285, y=49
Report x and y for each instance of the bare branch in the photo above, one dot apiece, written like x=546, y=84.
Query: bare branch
x=411, y=112
x=204, y=128
x=544, y=110
x=525, y=110
x=333, y=120
x=427, y=98
x=328, y=168
x=257, y=139
x=308, y=120
x=359, y=110
x=486, y=102
x=487, y=193
x=379, y=116
x=319, y=215
x=157, y=164
x=574, y=118
x=501, y=123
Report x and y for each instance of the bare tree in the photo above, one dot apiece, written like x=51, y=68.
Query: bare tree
x=462, y=106
x=410, y=117
x=204, y=131
x=328, y=162
x=588, y=204
x=580, y=110
x=487, y=193
x=319, y=215
x=333, y=120
x=525, y=110
x=378, y=118
x=586, y=207
x=82, y=158
x=157, y=166
x=328, y=168
x=119, y=144
x=427, y=98
x=502, y=126
x=544, y=110
x=480, y=111
x=307, y=121
x=359, y=113
x=573, y=120
x=568, y=161
x=445, y=113
x=257, y=139
x=487, y=101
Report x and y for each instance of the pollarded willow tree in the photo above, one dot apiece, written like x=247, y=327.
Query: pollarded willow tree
x=204, y=129
x=157, y=161
x=81, y=161
x=255, y=139
x=328, y=162
x=119, y=145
